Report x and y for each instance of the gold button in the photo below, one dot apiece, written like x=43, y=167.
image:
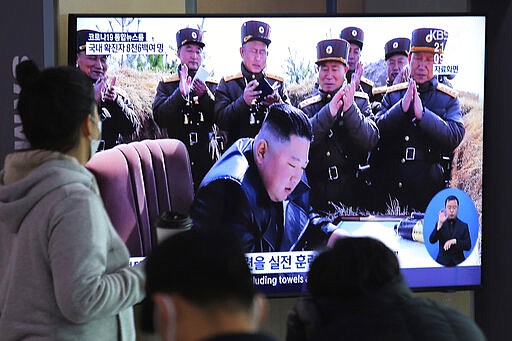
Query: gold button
x=406, y=138
x=400, y=185
x=328, y=154
x=402, y=161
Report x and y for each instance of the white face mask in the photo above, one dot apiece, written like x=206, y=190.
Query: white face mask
x=97, y=144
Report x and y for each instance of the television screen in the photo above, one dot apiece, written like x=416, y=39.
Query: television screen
x=142, y=50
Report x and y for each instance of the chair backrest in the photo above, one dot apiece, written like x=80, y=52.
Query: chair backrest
x=140, y=180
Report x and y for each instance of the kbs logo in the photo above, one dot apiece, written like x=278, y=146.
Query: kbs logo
x=436, y=35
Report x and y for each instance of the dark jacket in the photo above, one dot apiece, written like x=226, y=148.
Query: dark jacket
x=451, y=229
x=391, y=313
x=340, y=144
x=232, y=114
x=413, y=158
x=123, y=120
x=191, y=121
x=232, y=196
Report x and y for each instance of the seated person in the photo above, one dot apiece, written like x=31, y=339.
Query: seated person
x=64, y=270
x=258, y=188
x=358, y=293
x=202, y=288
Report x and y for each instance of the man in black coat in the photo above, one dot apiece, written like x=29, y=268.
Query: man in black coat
x=420, y=125
x=259, y=190
x=343, y=130
x=183, y=106
x=114, y=107
x=451, y=233
x=240, y=101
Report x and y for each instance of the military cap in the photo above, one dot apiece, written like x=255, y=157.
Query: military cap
x=189, y=36
x=332, y=50
x=397, y=46
x=81, y=38
x=255, y=30
x=353, y=35
x=428, y=40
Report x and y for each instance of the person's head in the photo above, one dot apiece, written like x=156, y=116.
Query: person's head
x=57, y=108
x=396, y=53
x=281, y=149
x=189, y=42
x=255, y=41
x=93, y=65
x=451, y=206
x=332, y=55
x=201, y=285
x=355, y=36
x=425, y=43
x=353, y=267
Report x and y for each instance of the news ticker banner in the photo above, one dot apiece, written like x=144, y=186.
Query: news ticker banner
x=107, y=43
x=275, y=272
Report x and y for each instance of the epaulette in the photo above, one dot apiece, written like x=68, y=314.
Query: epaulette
x=361, y=94
x=275, y=77
x=380, y=90
x=232, y=77
x=447, y=90
x=212, y=80
x=397, y=87
x=367, y=81
x=174, y=78
x=310, y=100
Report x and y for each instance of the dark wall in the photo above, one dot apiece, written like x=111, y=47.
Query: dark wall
x=493, y=302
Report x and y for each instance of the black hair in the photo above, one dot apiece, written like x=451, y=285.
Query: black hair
x=206, y=267
x=451, y=197
x=284, y=120
x=352, y=268
x=53, y=104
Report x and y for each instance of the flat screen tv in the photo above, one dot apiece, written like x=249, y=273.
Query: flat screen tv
x=141, y=51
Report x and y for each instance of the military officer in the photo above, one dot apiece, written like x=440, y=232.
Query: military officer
x=184, y=106
x=355, y=36
x=396, y=52
x=116, y=110
x=343, y=130
x=420, y=125
x=240, y=103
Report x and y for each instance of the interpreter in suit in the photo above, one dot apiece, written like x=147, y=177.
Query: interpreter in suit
x=452, y=234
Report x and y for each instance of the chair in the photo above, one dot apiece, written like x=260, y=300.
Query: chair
x=140, y=180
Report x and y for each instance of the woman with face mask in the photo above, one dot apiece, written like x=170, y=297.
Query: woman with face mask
x=64, y=271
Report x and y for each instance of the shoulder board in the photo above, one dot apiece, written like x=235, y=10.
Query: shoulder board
x=275, y=77
x=212, y=80
x=367, y=81
x=310, y=100
x=361, y=94
x=379, y=90
x=174, y=78
x=447, y=90
x=232, y=77
x=397, y=87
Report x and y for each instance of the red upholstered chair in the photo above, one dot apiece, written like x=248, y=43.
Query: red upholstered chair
x=140, y=180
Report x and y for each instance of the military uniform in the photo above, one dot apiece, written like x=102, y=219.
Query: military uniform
x=392, y=47
x=119, y=120
x=189, y=119
x=232, y=114
x=119, y=117
x=413, y=158
x=355, y=35
x=340, y=144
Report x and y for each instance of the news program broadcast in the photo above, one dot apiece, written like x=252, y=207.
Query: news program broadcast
x=396, y=105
